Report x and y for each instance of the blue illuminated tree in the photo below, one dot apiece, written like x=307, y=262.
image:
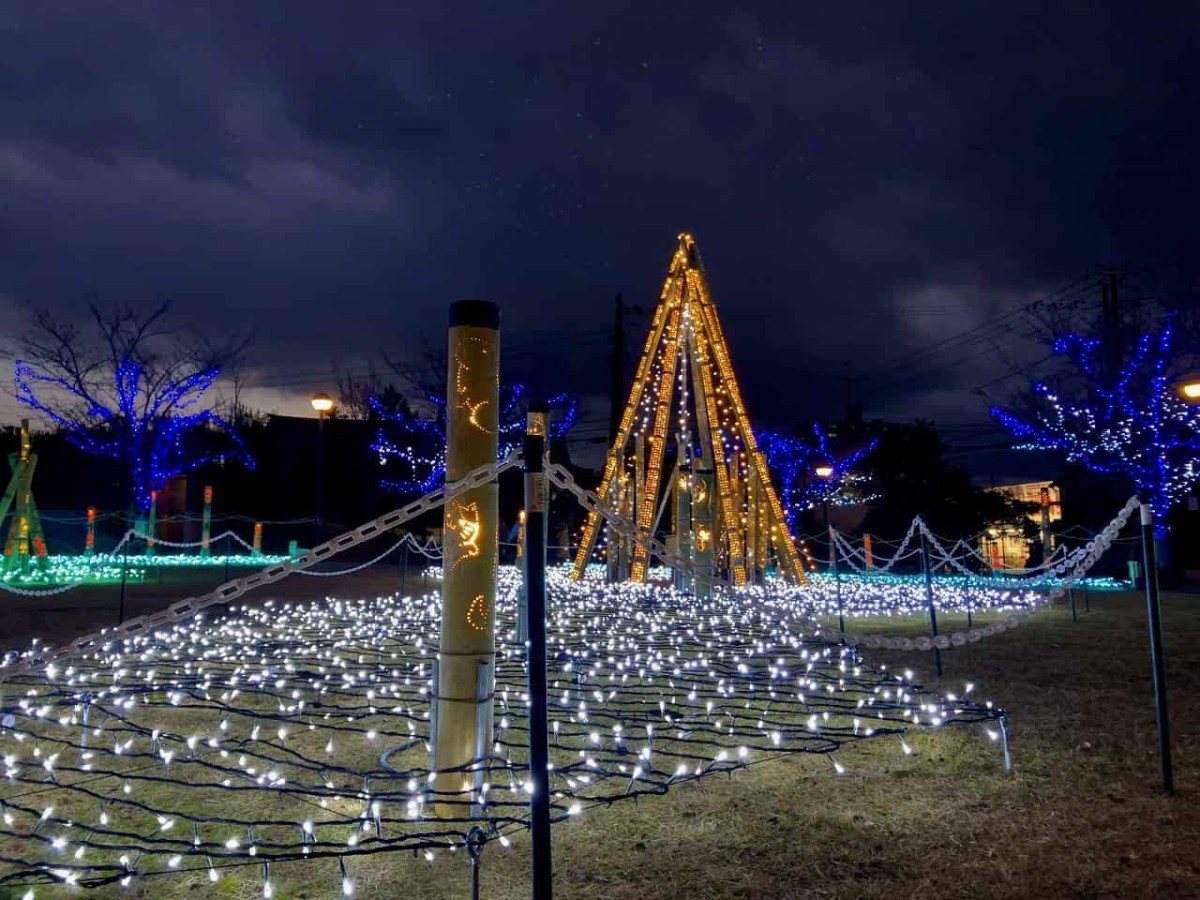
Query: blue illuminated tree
x=793, y=462
x=1128, y=420
x=138, y=393
x=413, y=447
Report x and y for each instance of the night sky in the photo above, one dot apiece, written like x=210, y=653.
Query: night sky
x=865, y=181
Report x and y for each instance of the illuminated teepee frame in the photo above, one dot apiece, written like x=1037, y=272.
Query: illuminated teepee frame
x=723, y=494
x=25, y=538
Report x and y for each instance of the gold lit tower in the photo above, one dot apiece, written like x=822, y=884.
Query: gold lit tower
x=685, y=390
x=26, y=544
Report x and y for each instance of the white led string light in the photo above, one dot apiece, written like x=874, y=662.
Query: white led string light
x=120, y=748
x=289, y=708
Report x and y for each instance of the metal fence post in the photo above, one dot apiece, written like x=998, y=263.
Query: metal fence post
x=535, y=594
x=1154, y=614
x=933, y=627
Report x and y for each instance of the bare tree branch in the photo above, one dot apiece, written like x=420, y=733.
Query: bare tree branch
x=134, y=390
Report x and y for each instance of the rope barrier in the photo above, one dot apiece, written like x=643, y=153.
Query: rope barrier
x=396, y=546
x=232, y=590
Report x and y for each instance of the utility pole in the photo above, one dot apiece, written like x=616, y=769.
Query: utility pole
x=852, y=413
x=535, y=594
x=617, y=373
x=1110, y=323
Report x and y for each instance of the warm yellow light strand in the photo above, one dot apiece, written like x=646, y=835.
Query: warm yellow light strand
x=785, y=543
x=729, y=525
x=648, y=496
x=616, y=454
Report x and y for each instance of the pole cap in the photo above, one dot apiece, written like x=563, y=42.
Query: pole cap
x=475, y=314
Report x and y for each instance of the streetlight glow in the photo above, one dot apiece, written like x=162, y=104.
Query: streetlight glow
x=323, y=404
x=1191, y=390
x=823, y=471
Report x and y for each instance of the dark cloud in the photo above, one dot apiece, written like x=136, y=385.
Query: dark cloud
x=335, y=174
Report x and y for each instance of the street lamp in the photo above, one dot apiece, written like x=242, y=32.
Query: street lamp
x=825, y=473
x=1191, y=389
x=322, y=403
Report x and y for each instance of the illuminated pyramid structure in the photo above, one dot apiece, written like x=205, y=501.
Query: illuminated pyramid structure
x=25, y=541
x=726, y=517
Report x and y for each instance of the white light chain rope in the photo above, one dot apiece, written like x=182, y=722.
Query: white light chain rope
x=353, y=569
x=1060, y=550
x=156, y=541
x=856, y=558
x=113, y=557
x=899, y=555
x=430, y=549
x=850, y=554
x=1067, y=562
x=231, y=590
x=1047, y=568
x=44, y=592
x=1093, y=551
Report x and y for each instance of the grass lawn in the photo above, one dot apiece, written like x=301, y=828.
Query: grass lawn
x=1080, y=816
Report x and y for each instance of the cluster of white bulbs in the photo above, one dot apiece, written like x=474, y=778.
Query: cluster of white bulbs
x=300, y=732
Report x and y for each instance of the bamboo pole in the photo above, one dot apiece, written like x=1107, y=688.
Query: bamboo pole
x=462, y=736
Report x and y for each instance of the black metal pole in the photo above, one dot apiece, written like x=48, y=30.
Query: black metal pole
x=403, y=566
x=933, y=629
x=1157, y=661
x=616, y=391
x=1074, y=611
x=535, y=592
x=121, y=604
x=475, y=841
x=320, y=464
x=837, y=571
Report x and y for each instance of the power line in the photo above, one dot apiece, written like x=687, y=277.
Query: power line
x=977, y=332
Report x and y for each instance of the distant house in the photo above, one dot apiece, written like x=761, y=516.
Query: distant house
x=1006, y=546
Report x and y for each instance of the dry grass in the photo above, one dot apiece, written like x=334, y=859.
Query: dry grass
x=1081, y=816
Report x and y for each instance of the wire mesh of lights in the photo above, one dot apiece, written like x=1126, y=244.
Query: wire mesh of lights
x=299, y=732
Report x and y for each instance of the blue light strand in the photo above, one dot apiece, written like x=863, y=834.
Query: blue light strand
x=1132, y=424
x=418, y=444
x=792, y=461
x=144, y=428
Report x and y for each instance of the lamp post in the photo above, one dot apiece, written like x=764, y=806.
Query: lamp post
x=322, y=403
x=825, y=473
